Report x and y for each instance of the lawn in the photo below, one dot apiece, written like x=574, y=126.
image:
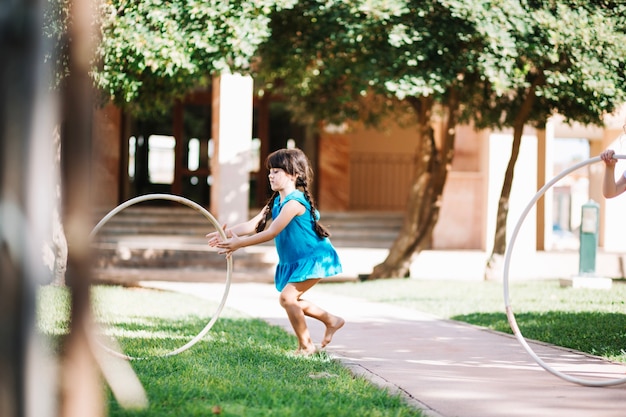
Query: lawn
x=243, y=367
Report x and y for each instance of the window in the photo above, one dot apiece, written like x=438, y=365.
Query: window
x=193, y=154
x=161, y=159
x=132, y=151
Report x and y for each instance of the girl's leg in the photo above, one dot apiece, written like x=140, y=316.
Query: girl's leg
x=290, y=301
x=297, y=308
x=332, y=322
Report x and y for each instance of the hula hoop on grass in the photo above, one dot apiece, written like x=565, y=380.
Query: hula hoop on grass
x=229, y=264
x=509, y=311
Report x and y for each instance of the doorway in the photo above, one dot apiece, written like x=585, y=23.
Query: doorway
x=157, y=162
x=160, y=163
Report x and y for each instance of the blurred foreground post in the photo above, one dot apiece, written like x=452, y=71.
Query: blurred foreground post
x=27, y=177
x=81, y=391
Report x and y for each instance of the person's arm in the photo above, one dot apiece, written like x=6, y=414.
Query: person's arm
x=240, y=229
x=290, y=210
x=610, y=187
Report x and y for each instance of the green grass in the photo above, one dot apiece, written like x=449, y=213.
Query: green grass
x=244, y=367
x=587, y=320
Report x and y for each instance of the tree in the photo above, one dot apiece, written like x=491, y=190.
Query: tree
x=570, y=60
x=498, y=64
x=360, y=60
x=153, y=52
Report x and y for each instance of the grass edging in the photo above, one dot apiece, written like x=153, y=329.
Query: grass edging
x=359, y=370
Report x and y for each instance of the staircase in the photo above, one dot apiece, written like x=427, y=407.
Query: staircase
x=166, y=243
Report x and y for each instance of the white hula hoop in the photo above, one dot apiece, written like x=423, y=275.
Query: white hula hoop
x=229, y=264
x=509, y=311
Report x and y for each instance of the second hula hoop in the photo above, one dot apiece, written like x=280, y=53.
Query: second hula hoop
x=229, y=263
x=507, y=259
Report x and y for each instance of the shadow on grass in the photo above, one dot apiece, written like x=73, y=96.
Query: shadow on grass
x=596, y=333
x=144, y=336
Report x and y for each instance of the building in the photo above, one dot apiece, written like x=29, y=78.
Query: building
x=225, y=135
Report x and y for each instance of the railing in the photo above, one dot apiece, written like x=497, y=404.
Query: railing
x=380, y=181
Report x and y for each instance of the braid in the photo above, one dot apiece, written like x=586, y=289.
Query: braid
x=293, y=162
x=320, y=230
x=267, y=214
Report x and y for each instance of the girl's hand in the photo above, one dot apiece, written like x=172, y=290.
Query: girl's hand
x=228, y=246
x=607, y=157
x=215, y=237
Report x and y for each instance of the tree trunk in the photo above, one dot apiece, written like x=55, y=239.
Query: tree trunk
x=424, y=201
x=499, y=243
x=493, y=269
x=494, y=263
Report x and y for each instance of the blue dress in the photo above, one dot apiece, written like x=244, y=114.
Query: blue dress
x=302, y=254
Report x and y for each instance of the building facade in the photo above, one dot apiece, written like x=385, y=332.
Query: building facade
x=211, y=151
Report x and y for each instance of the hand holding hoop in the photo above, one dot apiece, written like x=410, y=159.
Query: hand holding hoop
x=507, y=259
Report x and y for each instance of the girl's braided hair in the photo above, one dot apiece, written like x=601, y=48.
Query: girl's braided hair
x=293, y=162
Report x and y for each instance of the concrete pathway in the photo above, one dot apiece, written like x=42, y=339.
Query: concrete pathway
x=446, y=368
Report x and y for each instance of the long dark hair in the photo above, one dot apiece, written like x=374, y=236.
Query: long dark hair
x=293, y=162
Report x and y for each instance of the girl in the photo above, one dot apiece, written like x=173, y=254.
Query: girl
x=304, y=251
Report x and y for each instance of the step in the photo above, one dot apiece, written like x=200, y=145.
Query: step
x=171, y=252
x=156, y=242
x=347, y=228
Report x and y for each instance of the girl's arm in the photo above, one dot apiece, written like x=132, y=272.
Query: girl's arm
x=290, y=210
x=244, y=228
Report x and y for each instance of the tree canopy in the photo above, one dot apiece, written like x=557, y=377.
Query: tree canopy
x=325, y=55
x=328, y=58
x=569, y=54
x=329, y=54
x=569, y=59
x=153, y=51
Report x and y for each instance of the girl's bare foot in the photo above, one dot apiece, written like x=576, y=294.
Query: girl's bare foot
x=337, y=323
x=306, y=351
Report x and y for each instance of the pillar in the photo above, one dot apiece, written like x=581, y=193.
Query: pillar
x=545, y=141
x=232, y=138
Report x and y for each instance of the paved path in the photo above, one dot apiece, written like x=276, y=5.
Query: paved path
x=446, y=368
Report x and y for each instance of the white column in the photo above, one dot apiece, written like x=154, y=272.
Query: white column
x=232, y=136
x=523, y=190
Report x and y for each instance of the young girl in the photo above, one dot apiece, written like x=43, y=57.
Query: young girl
x=304, y=250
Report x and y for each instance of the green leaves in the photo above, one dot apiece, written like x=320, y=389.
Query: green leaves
x=327, y=56
x=583, y=53
x=154, y=51
x=563, y=57
x=330, y=57
x=339, y=55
